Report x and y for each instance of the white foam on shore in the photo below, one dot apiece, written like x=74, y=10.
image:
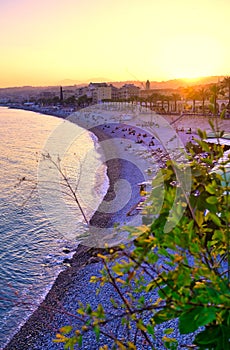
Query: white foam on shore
x=24, y=316
x=101, y=185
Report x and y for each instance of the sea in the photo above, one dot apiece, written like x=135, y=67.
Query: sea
x=37, y=207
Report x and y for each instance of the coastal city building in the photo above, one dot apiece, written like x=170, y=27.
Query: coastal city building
x=69, y=98
x=128, y=90
x=102, y=93
x=81, y=91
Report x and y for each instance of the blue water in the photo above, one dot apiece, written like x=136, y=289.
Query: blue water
x=31, y=246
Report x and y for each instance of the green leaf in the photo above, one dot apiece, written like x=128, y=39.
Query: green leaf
x=66, y=329
x=164, y=315
x=202, y=134
x=215, y=219
x=96, y=330
x=69, y=345
x=206, y=316
x=199, y=217
x=208, y=336
x=81, y=312
x=212, y=200
x=192, y=319
x=168, y=331
x=79, y=340
x=219, y=236
x=114, y=303
x=204, y=146
x=150, y=329
x=150, y=286
x=88, y=309
x=211, y=188
x=100, y=311
x=211, y=123
x=187, y=323
x=141, y=300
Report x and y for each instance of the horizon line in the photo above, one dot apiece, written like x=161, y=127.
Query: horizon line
x=95, y=80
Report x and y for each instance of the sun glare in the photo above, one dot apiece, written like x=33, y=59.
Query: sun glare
x=191, y=57
x=112, y=40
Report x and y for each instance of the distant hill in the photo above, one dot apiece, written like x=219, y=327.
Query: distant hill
x=169, y=84
x=177, y=83
x=71, y=82
x=172, y=84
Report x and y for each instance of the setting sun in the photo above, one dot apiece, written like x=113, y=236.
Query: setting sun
x=188, y=56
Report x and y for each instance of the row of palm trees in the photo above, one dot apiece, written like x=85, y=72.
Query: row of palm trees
x=71, y=101
x=157, y=101
x=209, y=93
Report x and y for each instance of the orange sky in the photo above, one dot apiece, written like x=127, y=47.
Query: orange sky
x=46, y=41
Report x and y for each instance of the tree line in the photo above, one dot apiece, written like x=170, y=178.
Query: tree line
x=162, y=103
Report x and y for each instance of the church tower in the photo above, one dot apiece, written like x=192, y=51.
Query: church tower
x=147, y=85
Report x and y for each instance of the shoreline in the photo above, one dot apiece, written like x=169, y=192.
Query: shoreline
x=31, y=331
x=41, y=318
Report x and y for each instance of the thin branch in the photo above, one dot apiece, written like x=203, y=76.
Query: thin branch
x=114, y=284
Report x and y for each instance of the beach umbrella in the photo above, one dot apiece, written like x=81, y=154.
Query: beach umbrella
x=213, y=134
x=224, y=173
x=223, y=168
x=221, y=141
x=226, y=135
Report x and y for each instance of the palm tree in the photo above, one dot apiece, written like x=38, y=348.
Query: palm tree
x=168, y=99
x=192, y=94
x=162, y=99
x=226, y=84
x=175, y=97
x=153, y=99
x=215, y=91
x=141, y=100
x=132, y=99
x=84, y=101
x=70, y=101
x=203, y=95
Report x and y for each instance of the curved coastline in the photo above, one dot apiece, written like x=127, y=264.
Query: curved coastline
x=31, y=334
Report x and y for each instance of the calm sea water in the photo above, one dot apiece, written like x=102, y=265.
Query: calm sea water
x=33, y=232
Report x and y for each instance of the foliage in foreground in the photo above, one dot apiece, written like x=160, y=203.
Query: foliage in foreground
x=184, y=273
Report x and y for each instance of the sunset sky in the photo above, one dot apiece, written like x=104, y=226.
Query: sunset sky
x=43, y=42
